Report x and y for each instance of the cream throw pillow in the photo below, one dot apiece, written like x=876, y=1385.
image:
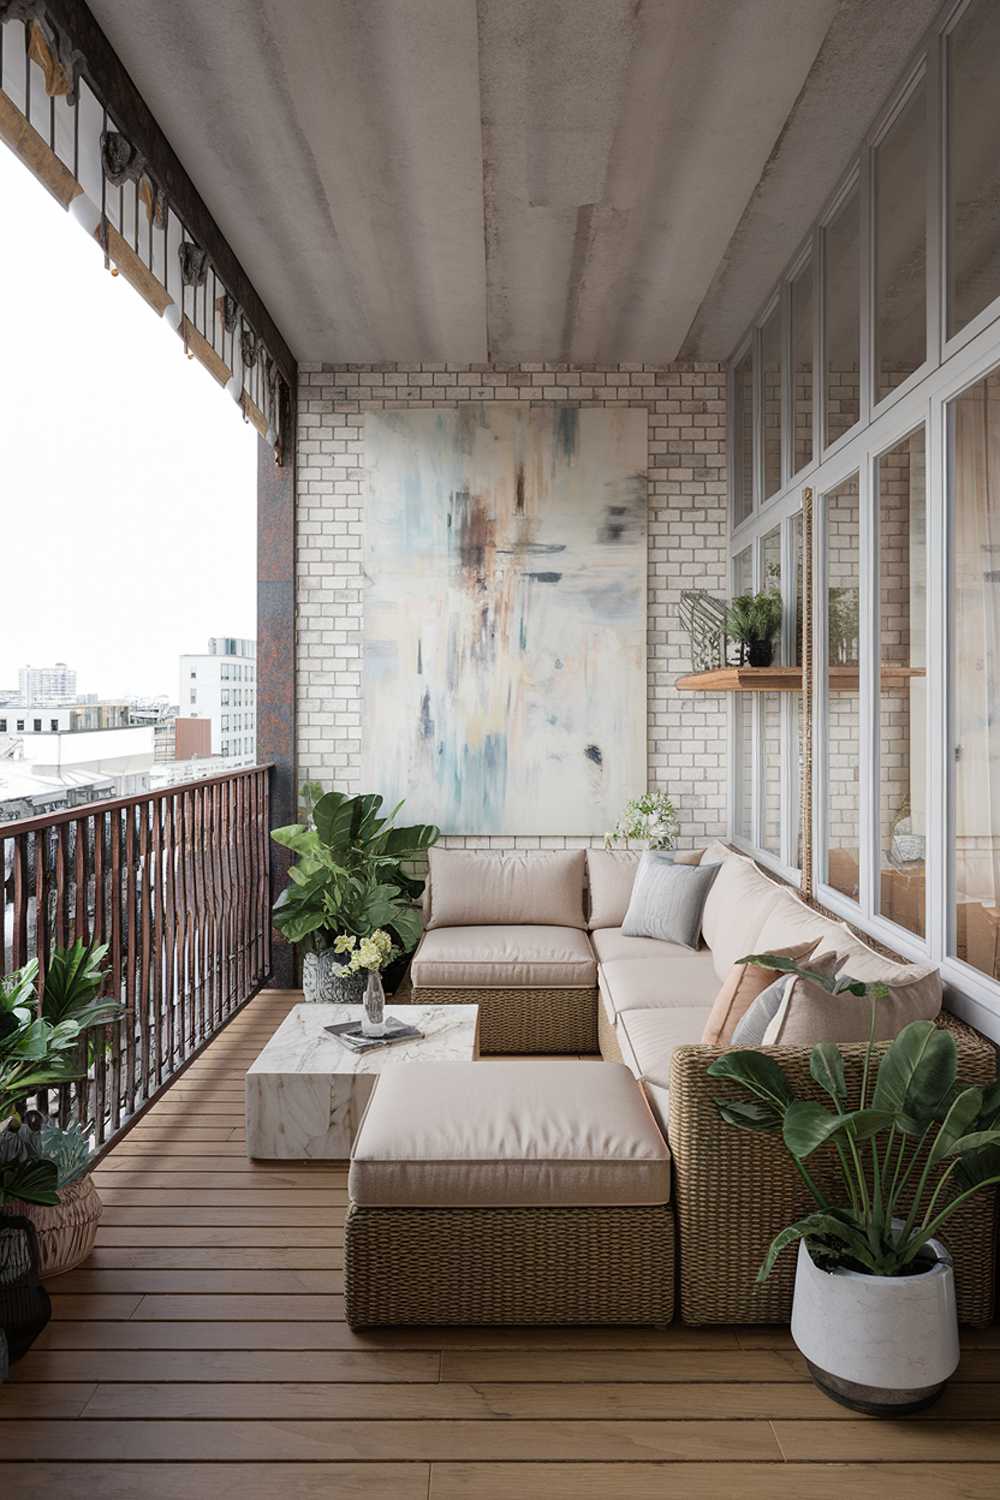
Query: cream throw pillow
x=742, y=985
x=809, y=1014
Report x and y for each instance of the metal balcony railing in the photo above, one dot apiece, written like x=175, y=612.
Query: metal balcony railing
x=176, y=883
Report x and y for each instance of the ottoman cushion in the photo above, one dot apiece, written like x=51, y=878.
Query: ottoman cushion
x=508, y=1134
x=504, y=958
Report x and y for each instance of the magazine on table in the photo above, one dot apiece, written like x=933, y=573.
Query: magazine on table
x=350, y=1033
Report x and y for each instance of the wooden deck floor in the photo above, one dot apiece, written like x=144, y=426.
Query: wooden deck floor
x=202, y=1352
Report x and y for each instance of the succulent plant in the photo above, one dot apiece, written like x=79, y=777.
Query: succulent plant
x=69, y=1149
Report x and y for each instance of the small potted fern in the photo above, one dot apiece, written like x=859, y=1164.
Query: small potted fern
x=874, y=1305
x=753, y=621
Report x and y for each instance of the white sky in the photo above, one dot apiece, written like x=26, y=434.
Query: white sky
x=127, y=476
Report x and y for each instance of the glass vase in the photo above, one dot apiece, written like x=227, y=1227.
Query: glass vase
x=373, y=1016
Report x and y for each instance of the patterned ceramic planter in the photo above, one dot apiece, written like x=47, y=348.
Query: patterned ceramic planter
x=884, y=1345
x=323, y=978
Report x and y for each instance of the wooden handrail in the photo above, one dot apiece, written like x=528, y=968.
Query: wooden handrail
x=116, y=804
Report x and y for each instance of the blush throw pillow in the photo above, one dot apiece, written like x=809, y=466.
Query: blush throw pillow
x=668, y=899
x=740, y=989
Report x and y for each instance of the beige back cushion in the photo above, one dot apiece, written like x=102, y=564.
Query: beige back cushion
x=482, y=888
x=791, y=921
x=737, y=906
x=611, y=876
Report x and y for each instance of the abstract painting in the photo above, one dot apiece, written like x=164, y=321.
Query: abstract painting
x=505, y=615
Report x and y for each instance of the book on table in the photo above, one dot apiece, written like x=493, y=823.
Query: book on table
x=350, y=1033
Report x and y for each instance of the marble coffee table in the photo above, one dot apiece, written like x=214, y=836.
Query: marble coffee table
x=306, y=1092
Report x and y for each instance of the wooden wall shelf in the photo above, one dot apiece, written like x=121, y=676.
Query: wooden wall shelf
x=785, y=679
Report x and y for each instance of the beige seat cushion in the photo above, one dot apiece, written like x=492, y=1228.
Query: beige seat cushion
x=611, y=876
x=485, y=888
x=791, y=921
x=647, y=1039
x=645, y=973
x=808, y=1014
x=504, y=958
x=508, y=1134
x=737, y=906
x=740, y=988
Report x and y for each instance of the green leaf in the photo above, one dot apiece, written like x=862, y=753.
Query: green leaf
x=407, y=924
x=978, y=1166
x=976, y=1140
x=297, y=837
x=749, y=1114
x=73, y=981
x=333, y=816
x=406, y=842
x=807, y=1126
x=816, y=1226
x=963, y=1113
x=827, y=1067
x=755, y=1071
x=916, y=1073
x=31, y=1181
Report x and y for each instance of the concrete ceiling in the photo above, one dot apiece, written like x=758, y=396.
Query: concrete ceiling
x=591, y=180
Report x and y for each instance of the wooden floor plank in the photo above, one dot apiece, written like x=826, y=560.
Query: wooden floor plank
x=238, y=1481
x=183, y=1282
x=219, y=1215
x=228, y=1257
x=650, y=1481
x=621, y=1365
x=306, y=1400
x=283, y=1308
x=290, y=1441
x=181, y=1238
x=75, y=1367
x=870, y=1442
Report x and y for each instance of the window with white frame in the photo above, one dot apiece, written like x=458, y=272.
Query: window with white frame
x=872, y=375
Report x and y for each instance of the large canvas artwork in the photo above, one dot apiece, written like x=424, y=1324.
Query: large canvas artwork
x=505, y=615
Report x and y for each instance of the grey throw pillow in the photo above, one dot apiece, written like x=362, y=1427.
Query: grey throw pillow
x=751, y=1028
x=668, y=899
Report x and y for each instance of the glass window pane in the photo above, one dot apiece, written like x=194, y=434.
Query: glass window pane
x=770, y=710
x=974, y=503
x=973, y=163
x=743, y=438
x=770, y=560
x=772, y=363
x=802, y=368
x=743, y=571
x=843, y=749
x=841, y=312
x=743, y=712
x=900, y=488
x=901, y=246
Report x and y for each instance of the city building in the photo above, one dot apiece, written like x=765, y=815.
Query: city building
x=35, y=717
x=221, y=686
x=47, y=685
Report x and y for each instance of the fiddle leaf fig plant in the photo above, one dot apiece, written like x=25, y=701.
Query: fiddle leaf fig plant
x=916, y=1137
x=348, y=879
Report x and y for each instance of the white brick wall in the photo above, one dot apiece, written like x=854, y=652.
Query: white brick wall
x=687, y=549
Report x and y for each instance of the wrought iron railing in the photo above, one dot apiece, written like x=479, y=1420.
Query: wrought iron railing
x=176, y=883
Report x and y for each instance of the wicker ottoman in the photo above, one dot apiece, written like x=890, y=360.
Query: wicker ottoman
x=509, y=1193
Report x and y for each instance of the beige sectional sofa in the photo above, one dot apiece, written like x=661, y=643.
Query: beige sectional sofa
x=536, y=940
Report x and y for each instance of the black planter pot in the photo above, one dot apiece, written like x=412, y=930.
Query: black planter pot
x=760, y=653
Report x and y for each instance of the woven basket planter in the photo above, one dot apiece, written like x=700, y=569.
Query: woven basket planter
x=66, y=1231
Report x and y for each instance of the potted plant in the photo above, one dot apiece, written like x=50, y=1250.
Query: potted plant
x=753, y=621
x=874, y=1304
x=651, y=818
x=44, y=1170
x=348, y=881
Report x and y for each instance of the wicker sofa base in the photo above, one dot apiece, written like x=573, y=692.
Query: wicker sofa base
x=509, y=1266
x=525, y=1021
x=735, y=1189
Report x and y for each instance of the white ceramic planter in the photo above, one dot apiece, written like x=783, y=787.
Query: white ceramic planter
x=879, y=1344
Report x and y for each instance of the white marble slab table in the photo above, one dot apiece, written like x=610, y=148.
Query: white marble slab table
x=306, y=1092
